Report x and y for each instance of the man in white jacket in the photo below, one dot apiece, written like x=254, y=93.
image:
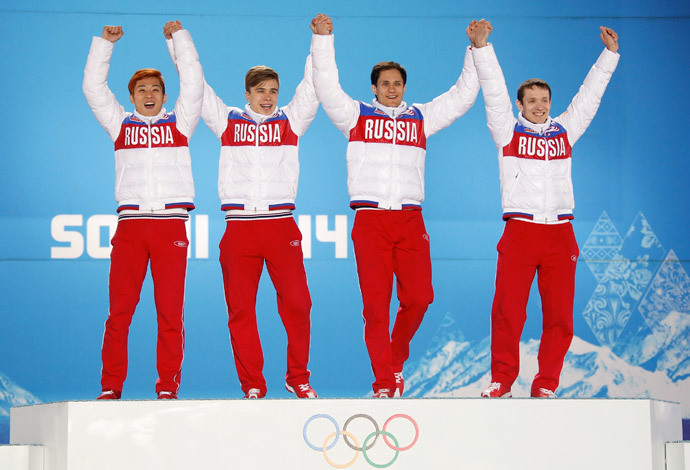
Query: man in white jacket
x=155, y=190
x=257, y=186
x=385, y=160
x=534, y=156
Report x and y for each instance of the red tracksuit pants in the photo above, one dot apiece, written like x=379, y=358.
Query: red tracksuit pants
x=245, y=246
x=551, y=252
x=164, y=244
x=391, y=243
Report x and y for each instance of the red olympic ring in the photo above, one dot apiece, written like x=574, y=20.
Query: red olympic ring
x=416, y=432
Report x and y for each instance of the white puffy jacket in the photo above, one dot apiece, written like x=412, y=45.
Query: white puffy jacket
x=387, y=146
x=259, y=165
x=152, y=163
x=535, y=159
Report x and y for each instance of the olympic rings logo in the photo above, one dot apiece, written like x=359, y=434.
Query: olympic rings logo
x=353, y=443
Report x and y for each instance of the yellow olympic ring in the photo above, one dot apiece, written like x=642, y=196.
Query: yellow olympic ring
x=325, y=452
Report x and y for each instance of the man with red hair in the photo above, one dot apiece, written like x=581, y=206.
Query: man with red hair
x=154, y=190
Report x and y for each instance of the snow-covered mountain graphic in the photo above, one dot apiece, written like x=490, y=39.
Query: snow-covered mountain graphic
x=11, y=395
x=462, y=369
x=639, y=312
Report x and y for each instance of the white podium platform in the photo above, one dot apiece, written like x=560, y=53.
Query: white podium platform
x=296, y=434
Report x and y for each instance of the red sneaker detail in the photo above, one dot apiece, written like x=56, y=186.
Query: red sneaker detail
x=302, y=391
x=109, y=395
x=254, y=393
x=166, y=395
x=497, y=390
x=399, y=385
x=384, y=393
x=543, y=393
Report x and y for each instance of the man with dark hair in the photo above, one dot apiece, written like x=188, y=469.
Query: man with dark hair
x=154, y=190
x=385, y=160
x=532, y=82
x=257, y=186
x=388, y=65
x=534, y=157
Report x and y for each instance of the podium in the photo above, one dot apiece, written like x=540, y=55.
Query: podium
x=459, y=433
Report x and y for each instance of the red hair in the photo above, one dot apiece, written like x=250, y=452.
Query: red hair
x=144, y=73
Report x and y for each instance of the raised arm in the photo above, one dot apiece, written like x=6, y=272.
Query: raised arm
x=340, y=108
x=302, y=108
x=109, y=113
x=585, y=104
x=446, y=108
x=213, y=111
x=499, y=108
x=188, y=105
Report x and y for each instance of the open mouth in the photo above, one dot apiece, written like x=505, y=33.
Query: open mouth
x=149, y=105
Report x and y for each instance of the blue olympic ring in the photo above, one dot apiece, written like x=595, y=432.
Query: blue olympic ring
x=337, y=432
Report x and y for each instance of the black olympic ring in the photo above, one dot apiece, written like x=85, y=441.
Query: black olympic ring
x=327, y=445
x=349, y=420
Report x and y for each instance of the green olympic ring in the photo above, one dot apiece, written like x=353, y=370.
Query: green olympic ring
x=364, y=446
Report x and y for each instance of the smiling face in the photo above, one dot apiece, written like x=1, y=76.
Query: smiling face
x=148, y=96
x=535, y=104
x=262, y=98
x=390, y=88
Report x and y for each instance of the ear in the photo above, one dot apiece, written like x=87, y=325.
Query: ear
x=131, y=99
x=246, y=96
x=165, y=98
x=519, y=104
x=373, y=90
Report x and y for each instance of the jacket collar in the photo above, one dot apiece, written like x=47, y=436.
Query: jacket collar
x=392, y=112
x=540, y=128
x=151, y=119
x=257, y=117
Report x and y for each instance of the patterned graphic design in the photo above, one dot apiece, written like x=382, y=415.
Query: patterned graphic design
x=624, y=282
x=601, y=246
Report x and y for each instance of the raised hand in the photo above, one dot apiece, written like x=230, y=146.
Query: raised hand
x=609, y=38
x=112, y=33
x=322, y=24
x=170, y=28
x=478, y=32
